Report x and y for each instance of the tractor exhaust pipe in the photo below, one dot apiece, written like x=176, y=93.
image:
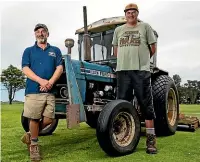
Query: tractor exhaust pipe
x=86, y=37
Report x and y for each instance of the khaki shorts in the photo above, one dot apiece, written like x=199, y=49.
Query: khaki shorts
x=38, y=105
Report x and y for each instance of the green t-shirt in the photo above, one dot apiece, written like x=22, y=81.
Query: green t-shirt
x=133, y=52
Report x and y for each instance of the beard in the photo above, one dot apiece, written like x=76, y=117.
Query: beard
x=41, y=40
x=132, y=20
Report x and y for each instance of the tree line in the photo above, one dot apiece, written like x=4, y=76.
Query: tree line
x=189, y=92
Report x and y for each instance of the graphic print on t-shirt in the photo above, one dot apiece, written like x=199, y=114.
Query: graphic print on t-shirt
x=130, y=38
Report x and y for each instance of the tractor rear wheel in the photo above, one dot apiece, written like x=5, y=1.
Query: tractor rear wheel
x=48, y=130
x=118, y=128
x=166, y=105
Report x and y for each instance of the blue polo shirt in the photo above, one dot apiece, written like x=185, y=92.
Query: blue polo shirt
x=42, y=62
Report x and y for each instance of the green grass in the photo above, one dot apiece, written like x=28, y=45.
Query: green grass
x=191, y=110
x=81, y=145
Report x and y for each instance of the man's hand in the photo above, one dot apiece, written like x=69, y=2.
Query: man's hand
x=50, y=84
x=55, y=77
x=43, y=85
x=43, y=82
x=47, y=87
x=152, y=49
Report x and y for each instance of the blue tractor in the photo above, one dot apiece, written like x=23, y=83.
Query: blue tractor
x=86, y=92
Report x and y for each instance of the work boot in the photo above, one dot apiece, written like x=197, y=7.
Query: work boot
x=151, y=144
x=26, y=139
x=35, y=153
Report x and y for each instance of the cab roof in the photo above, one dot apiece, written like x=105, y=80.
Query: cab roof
x=104, y=24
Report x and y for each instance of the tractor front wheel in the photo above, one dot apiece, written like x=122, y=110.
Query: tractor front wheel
x=118, y=128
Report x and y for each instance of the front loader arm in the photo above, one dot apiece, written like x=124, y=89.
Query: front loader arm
x=75, y=109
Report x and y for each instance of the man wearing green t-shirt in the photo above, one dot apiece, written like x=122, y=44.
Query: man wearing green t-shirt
x=131, y=43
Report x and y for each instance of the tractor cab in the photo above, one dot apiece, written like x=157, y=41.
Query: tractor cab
x=101, y=35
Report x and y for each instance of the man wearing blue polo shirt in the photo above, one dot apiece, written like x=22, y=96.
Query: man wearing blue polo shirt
x=42, y=64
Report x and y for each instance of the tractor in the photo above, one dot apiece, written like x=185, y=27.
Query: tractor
x=86, y=92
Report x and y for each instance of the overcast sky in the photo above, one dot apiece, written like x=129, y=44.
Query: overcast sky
x=177, y=23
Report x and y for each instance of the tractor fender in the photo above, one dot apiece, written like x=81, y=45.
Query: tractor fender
x=156, y=72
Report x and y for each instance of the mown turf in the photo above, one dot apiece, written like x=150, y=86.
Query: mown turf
x=191, y=110
x=81, y=145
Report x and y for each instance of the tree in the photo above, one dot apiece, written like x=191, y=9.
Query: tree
x=177, y=80
x=183, y=96
x=13, y=79
x=192, y=90
x=188, y=92
x=198, y=86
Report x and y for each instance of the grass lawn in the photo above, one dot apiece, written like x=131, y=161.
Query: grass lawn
x=81, y=145
x=191, y=110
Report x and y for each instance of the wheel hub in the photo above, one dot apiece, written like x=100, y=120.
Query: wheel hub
x=123, y=129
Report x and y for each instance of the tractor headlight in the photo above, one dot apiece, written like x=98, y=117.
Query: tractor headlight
x=69, y=43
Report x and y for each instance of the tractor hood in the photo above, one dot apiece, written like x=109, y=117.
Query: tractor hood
x=92, y=71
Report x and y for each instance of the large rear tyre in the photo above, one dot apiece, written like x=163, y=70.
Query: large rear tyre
x=118, y=128
x=166, y=105
x=48, y=130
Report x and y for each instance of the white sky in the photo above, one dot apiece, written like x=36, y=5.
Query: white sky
x=177, y=23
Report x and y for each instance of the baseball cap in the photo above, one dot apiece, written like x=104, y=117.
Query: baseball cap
x=131, y=6
x=40, y=26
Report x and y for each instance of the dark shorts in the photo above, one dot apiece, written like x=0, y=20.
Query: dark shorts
x=140, y=82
